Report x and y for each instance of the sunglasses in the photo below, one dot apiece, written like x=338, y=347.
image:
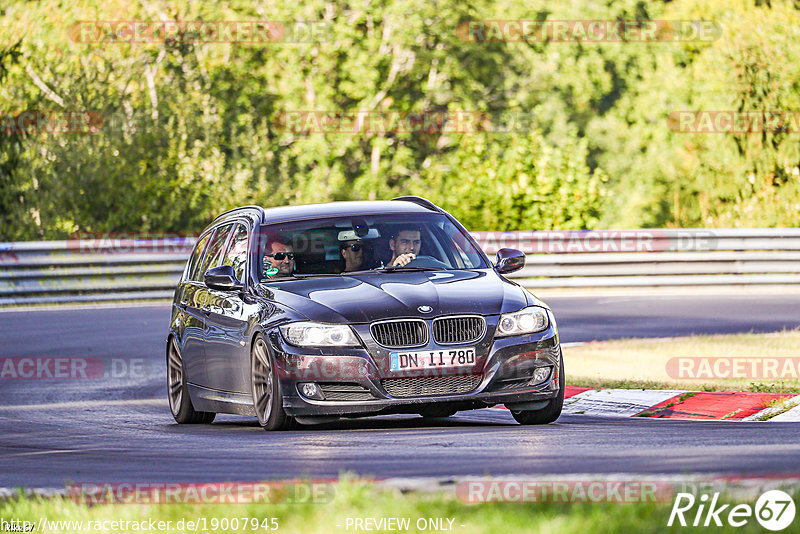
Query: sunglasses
x=280, y=256
x=354, y=247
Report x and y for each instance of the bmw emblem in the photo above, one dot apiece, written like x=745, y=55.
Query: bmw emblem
x=425, y=309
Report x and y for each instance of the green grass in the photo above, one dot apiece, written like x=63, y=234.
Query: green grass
x=777, y=407
x=642, y=363
x=360, y=499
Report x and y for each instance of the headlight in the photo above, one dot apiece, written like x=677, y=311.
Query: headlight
x=525, y=321
x=307, y=334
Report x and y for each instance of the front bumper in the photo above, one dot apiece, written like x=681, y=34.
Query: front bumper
x=362, y=384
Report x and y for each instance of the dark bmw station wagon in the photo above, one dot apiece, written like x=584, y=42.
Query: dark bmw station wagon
x=304, y=314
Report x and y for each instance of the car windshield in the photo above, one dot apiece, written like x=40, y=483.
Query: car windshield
x=348, y=245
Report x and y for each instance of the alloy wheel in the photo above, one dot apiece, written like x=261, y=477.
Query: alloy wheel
x=174, y=377
x=262, y=382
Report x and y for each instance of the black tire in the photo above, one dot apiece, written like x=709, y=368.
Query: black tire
x=178, y=393
x=266, y=388
x=437, y=412
x=549, y=413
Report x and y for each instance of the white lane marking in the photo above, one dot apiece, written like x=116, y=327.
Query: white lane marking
x=791, y=415
x=5, y=493
x=616, y=402
x=634, y=294
x=161, y=304
x=38, y=453
x=766, y=413
x=86, y=404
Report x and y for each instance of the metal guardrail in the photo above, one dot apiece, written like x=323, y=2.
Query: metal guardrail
x=96, y=270
x=91, y=270
x=653, y=257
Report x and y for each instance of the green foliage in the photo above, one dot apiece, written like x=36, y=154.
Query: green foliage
x=702, y=179
x=191, y=129
x=11, y=185
x=500, y=182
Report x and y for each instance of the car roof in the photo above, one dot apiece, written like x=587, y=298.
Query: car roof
x=257, y=214
x=339, y=209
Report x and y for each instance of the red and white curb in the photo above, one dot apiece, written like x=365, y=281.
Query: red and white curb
x=674, y=404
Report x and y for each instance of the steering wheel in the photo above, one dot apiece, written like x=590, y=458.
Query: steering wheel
x=427, y=262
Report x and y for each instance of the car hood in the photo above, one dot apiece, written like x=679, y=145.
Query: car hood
x=368, y=297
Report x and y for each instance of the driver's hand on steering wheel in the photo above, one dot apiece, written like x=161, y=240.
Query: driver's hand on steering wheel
x=403, y=259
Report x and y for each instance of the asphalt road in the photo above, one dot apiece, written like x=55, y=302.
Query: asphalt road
x=116, y=427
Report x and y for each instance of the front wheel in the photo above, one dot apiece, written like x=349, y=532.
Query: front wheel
x=178, y=393
x=549, y=413
x=266, y=388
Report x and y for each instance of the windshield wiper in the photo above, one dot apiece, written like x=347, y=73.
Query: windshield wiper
x=315, y=275
x=408, y=269
x=398, y=268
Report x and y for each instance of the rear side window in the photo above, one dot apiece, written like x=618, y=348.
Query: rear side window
x=191, y=272
x=236, y=255
x=213, y=253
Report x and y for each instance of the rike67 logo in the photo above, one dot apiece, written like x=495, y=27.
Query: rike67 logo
x=774, y=510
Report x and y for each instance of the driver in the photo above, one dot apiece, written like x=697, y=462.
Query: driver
x=405, y=245
x=279, y=263
x=352, y=252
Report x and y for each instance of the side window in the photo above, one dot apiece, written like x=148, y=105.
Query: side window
x=191, y=271
x=468, y=258
x=214, y=250
x=236, y=255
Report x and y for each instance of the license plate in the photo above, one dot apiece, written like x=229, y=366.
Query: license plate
x=431, y=359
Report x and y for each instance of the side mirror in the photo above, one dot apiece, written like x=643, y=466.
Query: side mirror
x=222, y=278
x=509, y=260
